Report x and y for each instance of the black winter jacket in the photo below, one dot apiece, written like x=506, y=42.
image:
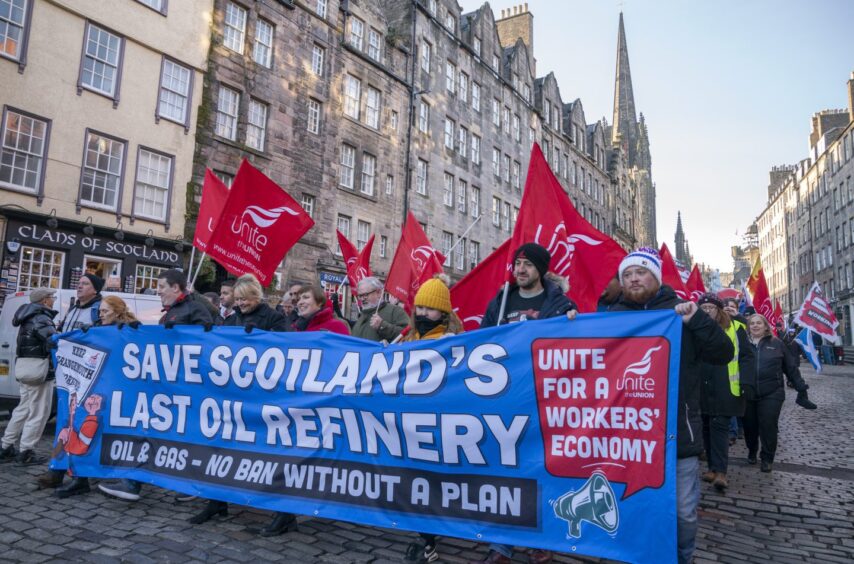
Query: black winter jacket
x=555, y=304
x=36, y=328
x=262, y=317
x=773, y=360
x=703, y=340
x=186, y=311
x=716, y=397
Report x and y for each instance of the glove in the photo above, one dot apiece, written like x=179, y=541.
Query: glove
x=803, y=400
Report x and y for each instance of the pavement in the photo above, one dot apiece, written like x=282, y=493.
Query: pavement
x=801, y=512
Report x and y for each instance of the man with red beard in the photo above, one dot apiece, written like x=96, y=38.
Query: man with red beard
x=703, y=340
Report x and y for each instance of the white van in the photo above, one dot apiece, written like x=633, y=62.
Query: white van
x=147, y=309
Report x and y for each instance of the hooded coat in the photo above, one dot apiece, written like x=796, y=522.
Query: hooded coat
x=36, y=328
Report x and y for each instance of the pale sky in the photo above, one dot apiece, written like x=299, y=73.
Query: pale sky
x=727, y=88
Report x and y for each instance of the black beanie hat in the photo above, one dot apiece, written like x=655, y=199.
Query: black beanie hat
x=537, y=254
x=710, y=299
x=96, y=281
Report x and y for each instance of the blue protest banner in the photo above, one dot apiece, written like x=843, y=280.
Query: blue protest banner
x=551, y=434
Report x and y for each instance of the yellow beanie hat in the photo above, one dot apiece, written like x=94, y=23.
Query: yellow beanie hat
x=435, y=295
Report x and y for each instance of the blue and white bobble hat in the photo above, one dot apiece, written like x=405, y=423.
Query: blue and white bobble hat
x=645, y=257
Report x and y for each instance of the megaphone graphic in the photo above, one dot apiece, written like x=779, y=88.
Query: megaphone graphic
x=594, y=502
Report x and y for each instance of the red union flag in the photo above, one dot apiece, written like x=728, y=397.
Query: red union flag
x=695, y=284
x=358, y=263
x=473, y=293
x=817, y=315
x=580, y=252
x=260, y=223
x=761, y=296
x=214, y=195
x=415, y=261
x=670, y=274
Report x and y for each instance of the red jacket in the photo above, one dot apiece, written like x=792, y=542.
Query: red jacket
x=323, y=320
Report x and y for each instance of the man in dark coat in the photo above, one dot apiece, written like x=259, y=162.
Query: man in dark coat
x=537, y=294
x=28, y=420
x=178, y=305
x=179, y=309
x=702, y=341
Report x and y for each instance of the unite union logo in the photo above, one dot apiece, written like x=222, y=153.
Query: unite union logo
x=562, y=246
x=252, y=238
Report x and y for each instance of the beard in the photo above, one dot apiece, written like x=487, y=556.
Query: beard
x=639, y=295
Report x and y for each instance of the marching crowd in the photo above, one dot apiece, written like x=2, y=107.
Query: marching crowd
x=732, y=368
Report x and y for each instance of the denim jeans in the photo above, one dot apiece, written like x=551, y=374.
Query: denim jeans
x=687, y=499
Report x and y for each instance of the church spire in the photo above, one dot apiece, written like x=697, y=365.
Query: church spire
x=681, y=250
x=625, y=126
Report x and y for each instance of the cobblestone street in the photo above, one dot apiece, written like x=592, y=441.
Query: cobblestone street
x=801, y=512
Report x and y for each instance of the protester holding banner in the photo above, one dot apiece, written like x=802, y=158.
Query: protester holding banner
x=379, y=320
x=703, y=340
x=315, y=314
x=721, y=398
x=250, y=311
x=432, y=317
x=765, y=393
x=112, y=311
x=179, y=309
x=289, y=304
x=34, y=374
x=537, y=294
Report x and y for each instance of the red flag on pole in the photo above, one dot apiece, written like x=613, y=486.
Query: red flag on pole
x=817, y=315
x=580, y=252
x=472, y=294
x=214, y=195
x=415, y=261
x=260, y=223
x=761, y=296
x=695, y=284
x=358, y=263
x=670, y=274
x=778, y=315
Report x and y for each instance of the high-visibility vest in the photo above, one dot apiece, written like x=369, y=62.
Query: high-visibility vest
x=732, y=367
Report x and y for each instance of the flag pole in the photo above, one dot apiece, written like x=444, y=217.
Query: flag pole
x=461, y=237
x=198, y=268
x=503, y=303
x=190, y=267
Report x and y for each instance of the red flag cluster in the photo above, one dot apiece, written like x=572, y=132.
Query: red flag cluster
x=238, y=228
x=358, y=263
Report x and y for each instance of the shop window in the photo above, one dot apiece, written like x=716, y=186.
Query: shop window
x=146, y=278
x=108, y=269
x=40, y=268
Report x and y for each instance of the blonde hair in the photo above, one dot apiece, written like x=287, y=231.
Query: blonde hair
x=764, y=323
x=119, y=309
x=247, y=286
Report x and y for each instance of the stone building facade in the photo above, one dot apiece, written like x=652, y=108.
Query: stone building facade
x=807, y=231
x=367, y=110
x=97, y=138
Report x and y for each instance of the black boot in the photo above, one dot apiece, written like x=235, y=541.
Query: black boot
x=281, y=523
x=75, y=487
x=8, y=454
x=50, y=479
x=765, y=466
x=212, y=509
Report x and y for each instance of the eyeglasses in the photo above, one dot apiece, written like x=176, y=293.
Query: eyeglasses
x=365, y=295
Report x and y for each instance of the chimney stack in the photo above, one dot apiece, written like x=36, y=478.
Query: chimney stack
x=851, y=98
